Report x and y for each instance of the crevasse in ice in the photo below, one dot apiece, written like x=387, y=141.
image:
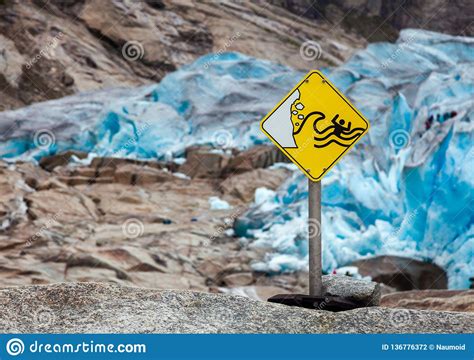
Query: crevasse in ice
x=406, y=189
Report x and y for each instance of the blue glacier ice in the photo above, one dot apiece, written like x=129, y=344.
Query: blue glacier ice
x=406, y=188
x=216, y=100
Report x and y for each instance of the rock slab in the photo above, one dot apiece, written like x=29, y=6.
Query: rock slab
x=444, y=300
x=107, y=308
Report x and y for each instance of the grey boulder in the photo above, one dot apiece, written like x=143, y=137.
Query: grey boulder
x=367, y=293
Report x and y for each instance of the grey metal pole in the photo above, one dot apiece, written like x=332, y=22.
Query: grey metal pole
x=314, y=238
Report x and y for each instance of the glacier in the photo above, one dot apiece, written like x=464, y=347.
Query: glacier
x=405, y=189
x=217, y=100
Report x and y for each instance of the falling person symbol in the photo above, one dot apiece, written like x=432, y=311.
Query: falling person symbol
x=336, y=133
x=339, y=126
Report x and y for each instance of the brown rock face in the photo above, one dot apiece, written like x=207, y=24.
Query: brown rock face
x=50, y=162
x=129, y=222
x=204, y=164
x=441, y=300
x=403, y=273
x=382, y=19
x=49, y=49
x=261, y=156
x=243, y=185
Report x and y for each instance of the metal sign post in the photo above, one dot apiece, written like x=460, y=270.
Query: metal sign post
x=314, y=238
x=314, y=125
x=317, y=298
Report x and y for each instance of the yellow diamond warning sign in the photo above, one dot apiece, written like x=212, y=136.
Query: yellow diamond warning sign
x=314, y=125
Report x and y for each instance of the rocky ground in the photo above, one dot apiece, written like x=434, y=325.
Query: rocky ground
x=150, y=224
x=136, y=223
x=106, y=308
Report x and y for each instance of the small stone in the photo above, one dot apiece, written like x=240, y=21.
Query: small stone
x=365, y=292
